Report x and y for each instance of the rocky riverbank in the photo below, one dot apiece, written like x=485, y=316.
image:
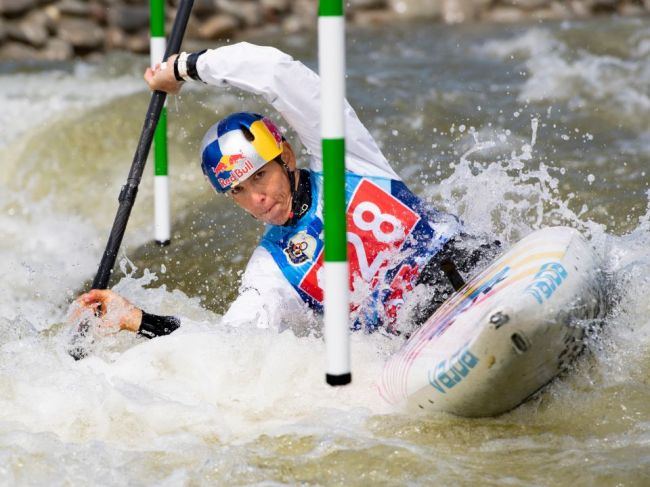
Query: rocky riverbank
x=63, y=29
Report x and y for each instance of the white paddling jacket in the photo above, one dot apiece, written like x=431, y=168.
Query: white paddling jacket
x=392, y=234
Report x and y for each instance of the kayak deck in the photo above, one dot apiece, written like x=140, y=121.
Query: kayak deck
x=505, y=334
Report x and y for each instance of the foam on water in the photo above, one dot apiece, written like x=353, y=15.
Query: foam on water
x=45, y=256
x=30, y=101
x=207, y=382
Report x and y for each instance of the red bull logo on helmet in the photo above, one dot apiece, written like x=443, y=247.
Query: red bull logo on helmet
x=228, y=163
x=232, y=168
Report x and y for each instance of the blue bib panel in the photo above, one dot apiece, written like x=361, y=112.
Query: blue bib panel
x=392, y=234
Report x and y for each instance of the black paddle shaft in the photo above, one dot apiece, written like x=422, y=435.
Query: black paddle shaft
x=130, y=189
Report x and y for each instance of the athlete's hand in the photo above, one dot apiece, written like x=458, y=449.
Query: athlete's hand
x=113, y=310
x=161, y=77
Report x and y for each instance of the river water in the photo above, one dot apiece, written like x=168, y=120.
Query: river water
x=511, y=127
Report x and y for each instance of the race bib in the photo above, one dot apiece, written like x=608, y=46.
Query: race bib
x=377, y=226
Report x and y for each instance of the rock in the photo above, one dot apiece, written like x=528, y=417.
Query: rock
x=115, y=38
x=580, y=8
x=74, y=8
x=458, y=11
x=30, y=30
x=247, y=12
x=84, y=35
x=99, y=12
x=53, y=15
x=630, y=10
x=95, y=57
x=57, y=50
x=218, y=27
x=506, y=15
x=646, y=3
x=13, y=8
x=546, y=14
x=307, y=9
x=527, y=4
x=129, y=18
x=170, y=16
x=373, y=17
x=3, y=31
x=292, y=24
x=589, y=7
x=305, y=16
x=275, y=5
x=16, y=51
x=138, y=43
x=191, y=31
x=77, y=8
x=367, y=4
x=417, y=8
x=561, y=8
x=250, y=14
x=604, y=8
x=204, y=8
x=597, y=6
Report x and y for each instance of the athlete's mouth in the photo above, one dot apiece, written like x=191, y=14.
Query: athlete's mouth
x=268, y=211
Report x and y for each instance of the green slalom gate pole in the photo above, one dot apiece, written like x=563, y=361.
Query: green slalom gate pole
x=158, y=44
x=331, y=62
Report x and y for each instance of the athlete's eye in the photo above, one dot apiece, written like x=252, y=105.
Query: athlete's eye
x=259, y=174
x=235, y=190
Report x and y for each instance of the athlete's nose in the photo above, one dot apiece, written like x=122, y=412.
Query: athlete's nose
x=258, y=198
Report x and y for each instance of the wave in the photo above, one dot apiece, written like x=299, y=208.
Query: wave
x=557, y=70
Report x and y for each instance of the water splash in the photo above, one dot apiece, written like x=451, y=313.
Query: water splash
x=509, y=195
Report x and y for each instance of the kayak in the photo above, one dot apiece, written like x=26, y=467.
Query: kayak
x=506, y=333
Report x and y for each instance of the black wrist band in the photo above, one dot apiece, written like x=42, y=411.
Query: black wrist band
x=176, y=73
x=191, y=65
x=155, y=325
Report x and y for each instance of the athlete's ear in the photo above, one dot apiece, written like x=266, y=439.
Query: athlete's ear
x=288, y=156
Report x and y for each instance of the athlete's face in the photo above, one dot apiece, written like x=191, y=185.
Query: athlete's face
x=266, y=194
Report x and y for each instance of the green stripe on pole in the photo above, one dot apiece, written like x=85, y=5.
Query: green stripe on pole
x=160, y=147
x=157, y=21
x=330, y=8
x=334, y=200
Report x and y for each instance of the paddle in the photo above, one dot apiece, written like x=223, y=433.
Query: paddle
x=130, y=189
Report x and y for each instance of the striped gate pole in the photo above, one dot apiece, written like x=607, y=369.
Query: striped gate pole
x=331, y=63
x=158, y=44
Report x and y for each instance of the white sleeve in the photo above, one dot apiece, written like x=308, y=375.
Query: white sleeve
x=266, y=299
x=294, y=91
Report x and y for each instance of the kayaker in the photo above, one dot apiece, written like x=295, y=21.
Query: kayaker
x=397, y=242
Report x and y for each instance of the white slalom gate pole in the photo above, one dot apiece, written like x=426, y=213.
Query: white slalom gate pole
x=162, y=218
x=331, y=60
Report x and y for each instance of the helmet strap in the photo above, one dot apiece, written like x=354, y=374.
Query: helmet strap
x=292, y=186
x=296, y=210
x=290, y=174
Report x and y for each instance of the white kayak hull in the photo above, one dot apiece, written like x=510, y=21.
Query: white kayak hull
x=506, y=333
